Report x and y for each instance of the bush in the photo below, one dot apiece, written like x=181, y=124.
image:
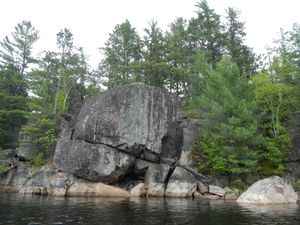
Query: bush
x=43, y=129
x=39, y=160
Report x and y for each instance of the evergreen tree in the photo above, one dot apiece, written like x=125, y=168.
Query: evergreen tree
x=17, y=51
x=178, y=56
x=154, y=66
x=235, y=33
x=205, y=33
x=228, y=140
x=60, y=80
x=15, y=57
x=121, y=51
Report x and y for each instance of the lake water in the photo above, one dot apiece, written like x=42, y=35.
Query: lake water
x=26, y=209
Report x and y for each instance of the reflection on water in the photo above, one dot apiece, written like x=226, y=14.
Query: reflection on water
x=27, y=209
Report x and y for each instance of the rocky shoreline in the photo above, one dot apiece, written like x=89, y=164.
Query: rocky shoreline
x=129, y=141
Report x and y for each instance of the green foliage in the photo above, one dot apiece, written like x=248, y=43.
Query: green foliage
x=12, y=117
x=238, y=184
x=2, y=168
x=235, y=34
x=44, y=130
x=16, y=50
x=228, y=140
x=121, y=50
x=296, y=185
x=275, y=101
x=39, y=160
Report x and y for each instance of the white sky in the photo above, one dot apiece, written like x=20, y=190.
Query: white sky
x=91, y=21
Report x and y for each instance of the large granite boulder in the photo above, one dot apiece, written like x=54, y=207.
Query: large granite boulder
x=127, y=116
x=114, y=129
x=269, y=191
x=182, y=183
x=94, y=162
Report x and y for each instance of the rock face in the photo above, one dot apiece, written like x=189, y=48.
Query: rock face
x=126, y=136
x=95, y=162
x=182, y=183
x=26, y=147
x=190, y=130
x=49, y=181
x=155, y=180
x=269, y=191
x=114, y=129
x=127, y=116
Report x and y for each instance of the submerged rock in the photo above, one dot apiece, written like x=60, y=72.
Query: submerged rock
x=270, y=190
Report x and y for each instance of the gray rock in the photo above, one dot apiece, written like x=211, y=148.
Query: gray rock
x=270, y=190
x=126, y=116
x=155, y=180
x=190, y=130
x=27, y=148
x=230, y=194
x=197, y=194
x=94, y=162
x=141, y=166
x=138, y=190
x=17, y=176
x=8, y=154
x=216, y=190
x=182, y=183
x=172, y=142
x=96, y=189
x=201, y=187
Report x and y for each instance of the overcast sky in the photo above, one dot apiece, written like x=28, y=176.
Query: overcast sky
x=91, y=21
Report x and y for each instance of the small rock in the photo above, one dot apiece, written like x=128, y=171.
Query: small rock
x=216, y=190
x=197, y=194
x=138, y=190
x=201, y=187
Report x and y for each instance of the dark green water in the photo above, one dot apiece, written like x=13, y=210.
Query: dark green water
x=26, y=209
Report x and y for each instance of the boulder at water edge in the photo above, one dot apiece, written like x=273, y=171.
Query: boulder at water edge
x=270, y=190
x=182, y=183
x=114, y=129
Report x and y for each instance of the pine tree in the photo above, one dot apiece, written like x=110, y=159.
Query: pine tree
x=15, y=57
x=121, y=50
x=227, y=144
